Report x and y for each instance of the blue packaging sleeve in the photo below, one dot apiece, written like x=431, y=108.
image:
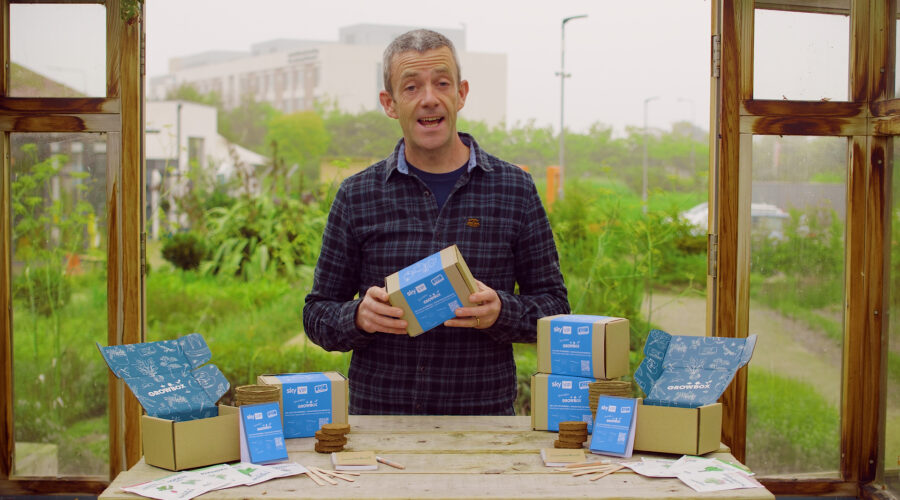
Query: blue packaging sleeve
x=306, y=398
x=567, y=400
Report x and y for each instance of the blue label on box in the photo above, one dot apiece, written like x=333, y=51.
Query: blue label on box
x=428, y=292
x=571, y=344
x=420, y=270
x=307, y=403
x=567, y=400
x=612, y=425
x=263, y=433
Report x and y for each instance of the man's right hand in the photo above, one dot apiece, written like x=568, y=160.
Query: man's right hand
x=376, y=314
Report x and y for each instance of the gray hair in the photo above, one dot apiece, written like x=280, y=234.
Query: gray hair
x=421, y=41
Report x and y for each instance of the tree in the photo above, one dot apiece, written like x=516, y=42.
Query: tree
x=370, y=134
x=187, y=92
x=297, y=139
x=247, y=123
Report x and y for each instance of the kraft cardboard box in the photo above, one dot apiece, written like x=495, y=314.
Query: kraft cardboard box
x=683, y=431
x=683, y=376
x=559, y=398
x=583, y=346
x=194, y=443
x=431, y=290
x=310, y=400
x=183, y=427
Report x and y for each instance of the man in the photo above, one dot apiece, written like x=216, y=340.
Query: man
x=437, y=188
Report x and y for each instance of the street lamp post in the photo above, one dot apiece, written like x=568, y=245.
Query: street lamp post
x=562, y=92
x=644, y=178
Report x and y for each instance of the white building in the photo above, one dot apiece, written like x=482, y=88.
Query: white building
x=179, y=134
x=293, y=75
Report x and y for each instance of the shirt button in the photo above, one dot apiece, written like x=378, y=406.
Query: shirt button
x=421, y=369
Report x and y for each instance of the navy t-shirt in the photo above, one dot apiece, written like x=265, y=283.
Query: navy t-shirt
x=439, y=184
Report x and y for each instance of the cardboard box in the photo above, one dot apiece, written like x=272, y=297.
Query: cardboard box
x=431, y=290
x=310, y=400
x=559, y=398
x=583, y=346
x=183, y=427
x=193, y=443
x=683, y=431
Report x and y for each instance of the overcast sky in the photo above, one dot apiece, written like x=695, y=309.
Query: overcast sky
x=621, y=54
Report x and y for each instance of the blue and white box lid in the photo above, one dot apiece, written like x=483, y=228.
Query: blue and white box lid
x=689, y=371
x=167, y=377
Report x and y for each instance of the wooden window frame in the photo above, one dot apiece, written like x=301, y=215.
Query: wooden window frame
x=868, y=119
x=120, y=116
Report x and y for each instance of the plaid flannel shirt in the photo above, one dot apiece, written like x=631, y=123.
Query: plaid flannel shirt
x=384, y=219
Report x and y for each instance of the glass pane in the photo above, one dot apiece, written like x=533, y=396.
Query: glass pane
x=892, y=425
x=800, y=56
x=896, y=59
x=796, y=296
x=58, y=190
x=57, y=50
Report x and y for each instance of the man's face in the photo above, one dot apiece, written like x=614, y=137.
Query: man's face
x=426, y=98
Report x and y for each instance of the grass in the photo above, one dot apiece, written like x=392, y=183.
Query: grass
x=790, y=428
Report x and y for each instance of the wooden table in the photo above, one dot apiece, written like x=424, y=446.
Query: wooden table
x=447, y=457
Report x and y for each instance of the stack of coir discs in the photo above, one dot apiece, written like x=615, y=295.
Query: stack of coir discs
x=255, y=394
x=620, y=388
x=331, y=437
x=572, y=435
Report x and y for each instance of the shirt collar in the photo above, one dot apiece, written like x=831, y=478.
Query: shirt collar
x=397, y=160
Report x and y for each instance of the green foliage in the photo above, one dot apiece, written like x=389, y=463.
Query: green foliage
x=526, y=365
x=247, y=123
x=44, y=289
x=184, y=250
x=257, y=238
x=370, y=134
x=800, y=274
x=59, y=384
x=297, y=140
x=187, y=92
x=250, y=329
x=612, y=254
x=789, y=426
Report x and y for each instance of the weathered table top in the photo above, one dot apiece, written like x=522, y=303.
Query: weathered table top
x=447, y=457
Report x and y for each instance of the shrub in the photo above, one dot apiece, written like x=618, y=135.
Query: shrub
x=184, y=250
x=258, y=238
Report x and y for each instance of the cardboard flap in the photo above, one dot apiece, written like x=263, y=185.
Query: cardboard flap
x=651, y=366
x=694, y=371
x=212, y=381
x=466, y=274
x=747, y=353
x=161, y=376
x=194, y=347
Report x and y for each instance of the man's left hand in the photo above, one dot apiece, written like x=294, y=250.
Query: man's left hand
x=480, y=316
